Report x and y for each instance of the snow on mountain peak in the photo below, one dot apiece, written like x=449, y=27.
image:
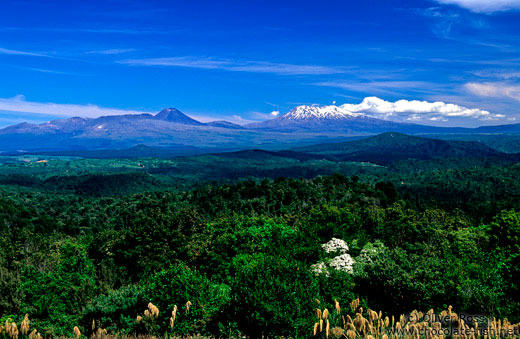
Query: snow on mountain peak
x=304, y=112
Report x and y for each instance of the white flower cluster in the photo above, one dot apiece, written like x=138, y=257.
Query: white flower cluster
x=335, y=245
x=342, y=262
x=320, y=268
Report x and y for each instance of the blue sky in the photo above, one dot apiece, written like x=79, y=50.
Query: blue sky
x=242, y=60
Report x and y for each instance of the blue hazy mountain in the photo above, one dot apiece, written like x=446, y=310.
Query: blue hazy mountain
x=392, y=146
x=304, y=125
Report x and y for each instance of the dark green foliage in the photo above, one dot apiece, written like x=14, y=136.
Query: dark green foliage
x=84, y=240
x=115, y=311
x=55, y=292
x=179, y=285
x=274, y=296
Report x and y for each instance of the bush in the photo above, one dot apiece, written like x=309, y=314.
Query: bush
x=54, y=298
x=273, y=296
x=116, y=310
x=179, y=285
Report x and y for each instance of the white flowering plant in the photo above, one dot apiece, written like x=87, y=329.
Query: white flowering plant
x=341, y=261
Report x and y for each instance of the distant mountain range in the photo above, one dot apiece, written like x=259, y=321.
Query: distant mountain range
x=381, y=149
x=170, y=128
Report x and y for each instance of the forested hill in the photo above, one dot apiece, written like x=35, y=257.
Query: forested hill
x=393, y=146
x=384, y=148
x=246, y=256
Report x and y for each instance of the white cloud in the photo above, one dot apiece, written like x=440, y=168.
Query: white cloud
x=275, y=113
x=484, y=6
x=113, y=51
x=498, y=74
x=438, y=119
x=189, y=62
x=16, y=52
x=19, y=104
x=236, y=119
x=494, y=90
x=234, y=65
x=415, y=110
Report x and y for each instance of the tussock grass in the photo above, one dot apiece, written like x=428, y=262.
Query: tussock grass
x=370, y=324
x=364, y=324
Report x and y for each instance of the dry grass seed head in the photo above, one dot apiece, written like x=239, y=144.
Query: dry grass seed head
x=315, y=329
x=327, y=328
x=24, y=326
x=154, y=311
x=325, y=314
x=359, y=322
x=174, y=315
x=351, y=334
x=372, y=315
x=349, y=319
x=337, y=332
x=354, y=304
x=14, y=330
x=370, y=328
x=77, y=332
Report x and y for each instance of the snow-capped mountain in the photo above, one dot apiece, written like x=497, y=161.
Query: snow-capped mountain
x=326, y=119
x=172, y=128
x=331, y=112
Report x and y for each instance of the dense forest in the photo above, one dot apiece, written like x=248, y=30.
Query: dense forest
x=251, y=248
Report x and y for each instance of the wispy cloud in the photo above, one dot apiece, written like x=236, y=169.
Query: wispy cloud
x=494, y=90
x=113, y=51
x=20, y=104
x=17, y=52
x=236, y=119
x=106, y=30
x=50, y=71
x=382, y=87
x=467, y=28
x=498, y=74
x=484, y=6
x=505, y=62
x=235, y=65
x=190, y=62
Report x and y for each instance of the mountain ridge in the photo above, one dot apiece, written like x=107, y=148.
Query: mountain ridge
x=391, y=146
x=170, y=127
